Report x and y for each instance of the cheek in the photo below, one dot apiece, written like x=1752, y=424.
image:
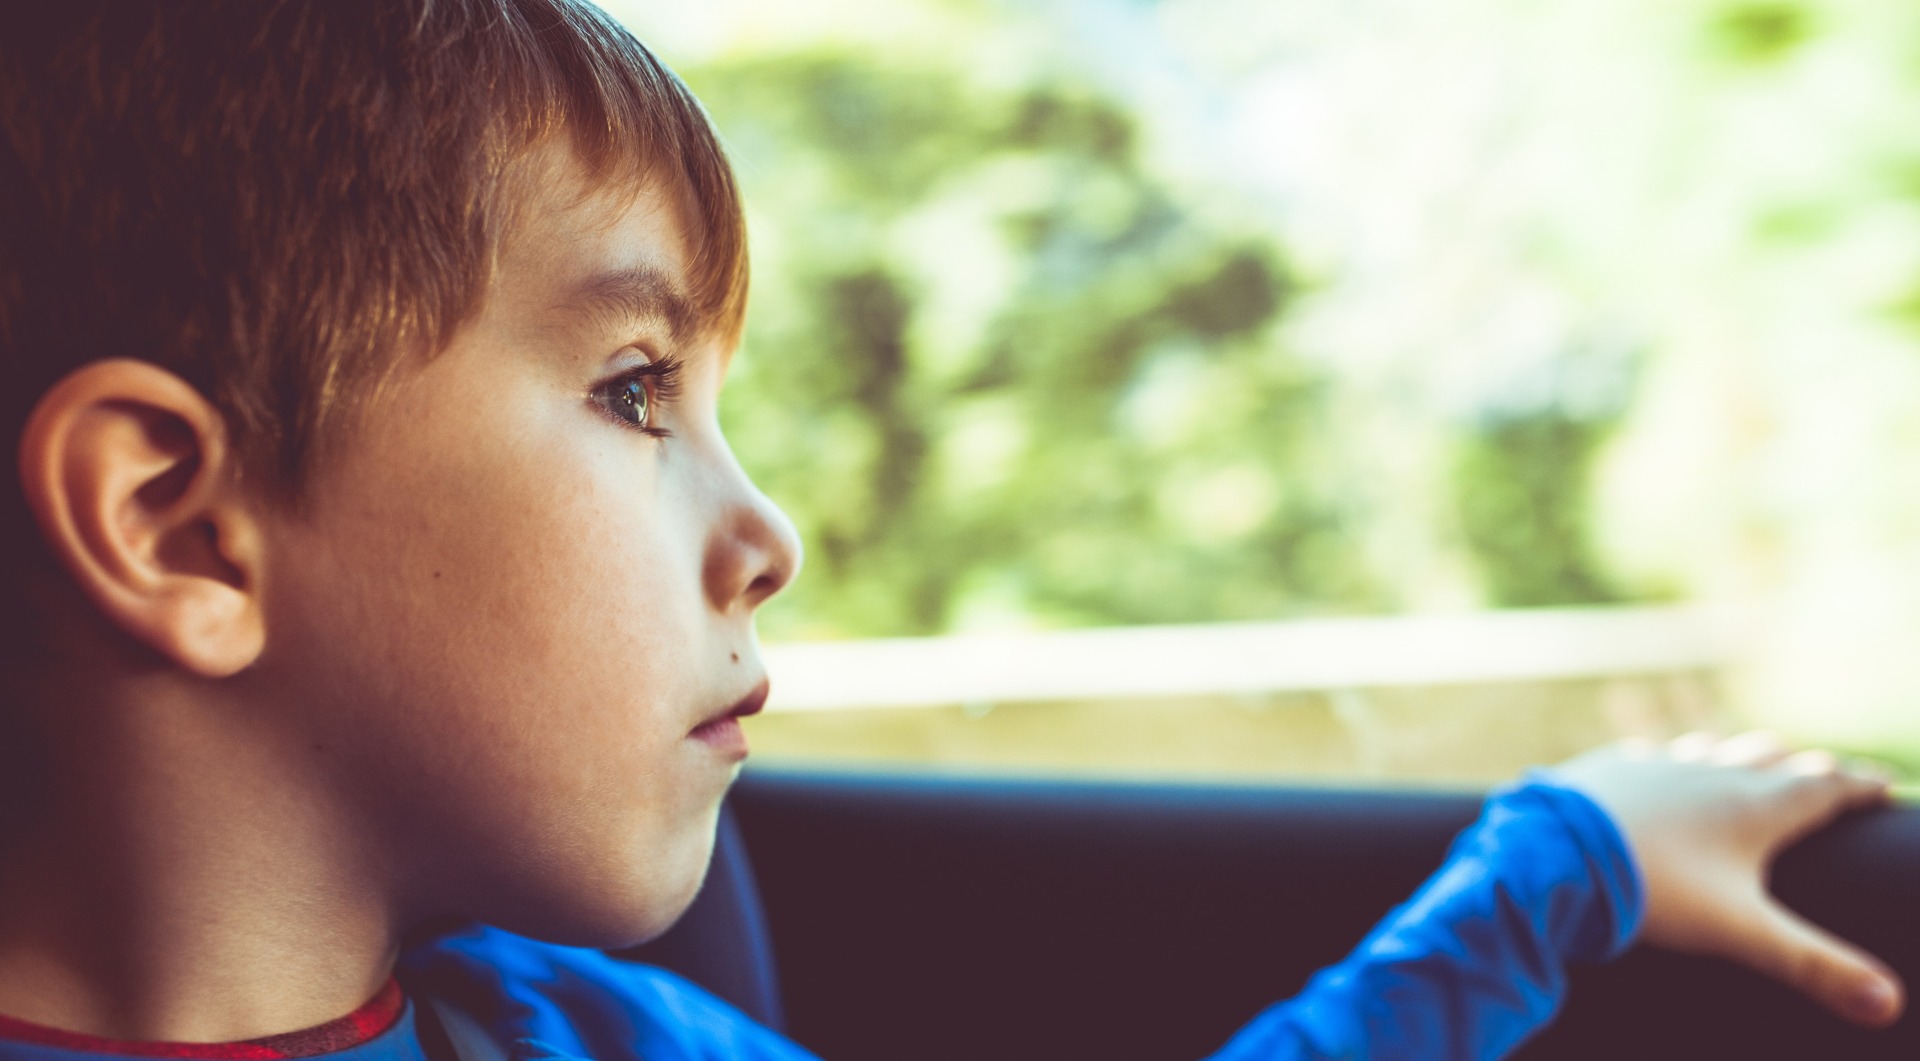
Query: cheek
x=533, y=572
x=551, y=576
x=510, y=627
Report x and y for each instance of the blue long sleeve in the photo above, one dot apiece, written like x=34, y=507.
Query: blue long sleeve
x=1467, y=969
x=1476, y=961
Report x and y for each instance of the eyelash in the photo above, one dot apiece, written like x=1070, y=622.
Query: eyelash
x=660, y=380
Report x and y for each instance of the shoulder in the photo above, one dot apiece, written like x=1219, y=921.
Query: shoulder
x=542, y=1000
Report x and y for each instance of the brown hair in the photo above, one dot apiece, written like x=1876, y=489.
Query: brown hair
x=279, y=200
x=275, y=200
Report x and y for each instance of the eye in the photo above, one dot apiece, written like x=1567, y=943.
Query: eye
x=631, y=402
x=637, y=396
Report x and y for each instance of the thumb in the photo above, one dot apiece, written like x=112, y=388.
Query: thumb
x=1838, y=975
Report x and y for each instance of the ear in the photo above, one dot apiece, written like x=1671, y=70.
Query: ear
x=128, y=471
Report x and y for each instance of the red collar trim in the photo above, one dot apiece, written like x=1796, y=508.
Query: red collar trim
x=355, y=1029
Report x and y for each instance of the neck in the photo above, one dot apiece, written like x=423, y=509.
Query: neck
x=180, y=878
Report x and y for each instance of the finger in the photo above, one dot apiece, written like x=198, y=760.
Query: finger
x=1813, y=800
x=1872, y=770
x=1843, y=790
x=1692, y=747
x=1852, y=787
x=1827, y=969
x=1812, y=763
x=1755, y=748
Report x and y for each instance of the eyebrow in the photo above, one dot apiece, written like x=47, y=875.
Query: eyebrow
x=625, y=297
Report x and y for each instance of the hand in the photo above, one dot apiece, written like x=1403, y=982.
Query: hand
x=1704, y=818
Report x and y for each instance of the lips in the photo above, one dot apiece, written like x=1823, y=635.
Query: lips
x=750, y=704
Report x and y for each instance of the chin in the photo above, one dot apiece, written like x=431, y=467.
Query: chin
x=620, y=904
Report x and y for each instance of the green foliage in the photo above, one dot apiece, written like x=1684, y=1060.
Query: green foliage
x=1761, y=33
x=1521, y=484
x=997, y=367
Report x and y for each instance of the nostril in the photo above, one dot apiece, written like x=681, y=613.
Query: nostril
x=765, y=586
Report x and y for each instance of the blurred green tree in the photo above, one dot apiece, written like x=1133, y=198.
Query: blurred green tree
x=997, y=369
x=1521, y=482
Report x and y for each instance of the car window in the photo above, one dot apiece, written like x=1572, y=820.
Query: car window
x=1407, y=390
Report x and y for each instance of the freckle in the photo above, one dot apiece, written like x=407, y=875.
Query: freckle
x=436, y=574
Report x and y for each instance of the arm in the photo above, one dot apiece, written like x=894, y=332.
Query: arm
x=1476, y=961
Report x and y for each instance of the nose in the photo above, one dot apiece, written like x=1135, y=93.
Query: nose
x=754, y=551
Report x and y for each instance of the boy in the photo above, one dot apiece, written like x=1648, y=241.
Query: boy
x=380, y=566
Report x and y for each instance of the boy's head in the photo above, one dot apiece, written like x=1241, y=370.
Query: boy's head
x=363, y=357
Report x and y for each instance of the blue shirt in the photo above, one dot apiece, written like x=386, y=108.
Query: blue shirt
x=1468, y=968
